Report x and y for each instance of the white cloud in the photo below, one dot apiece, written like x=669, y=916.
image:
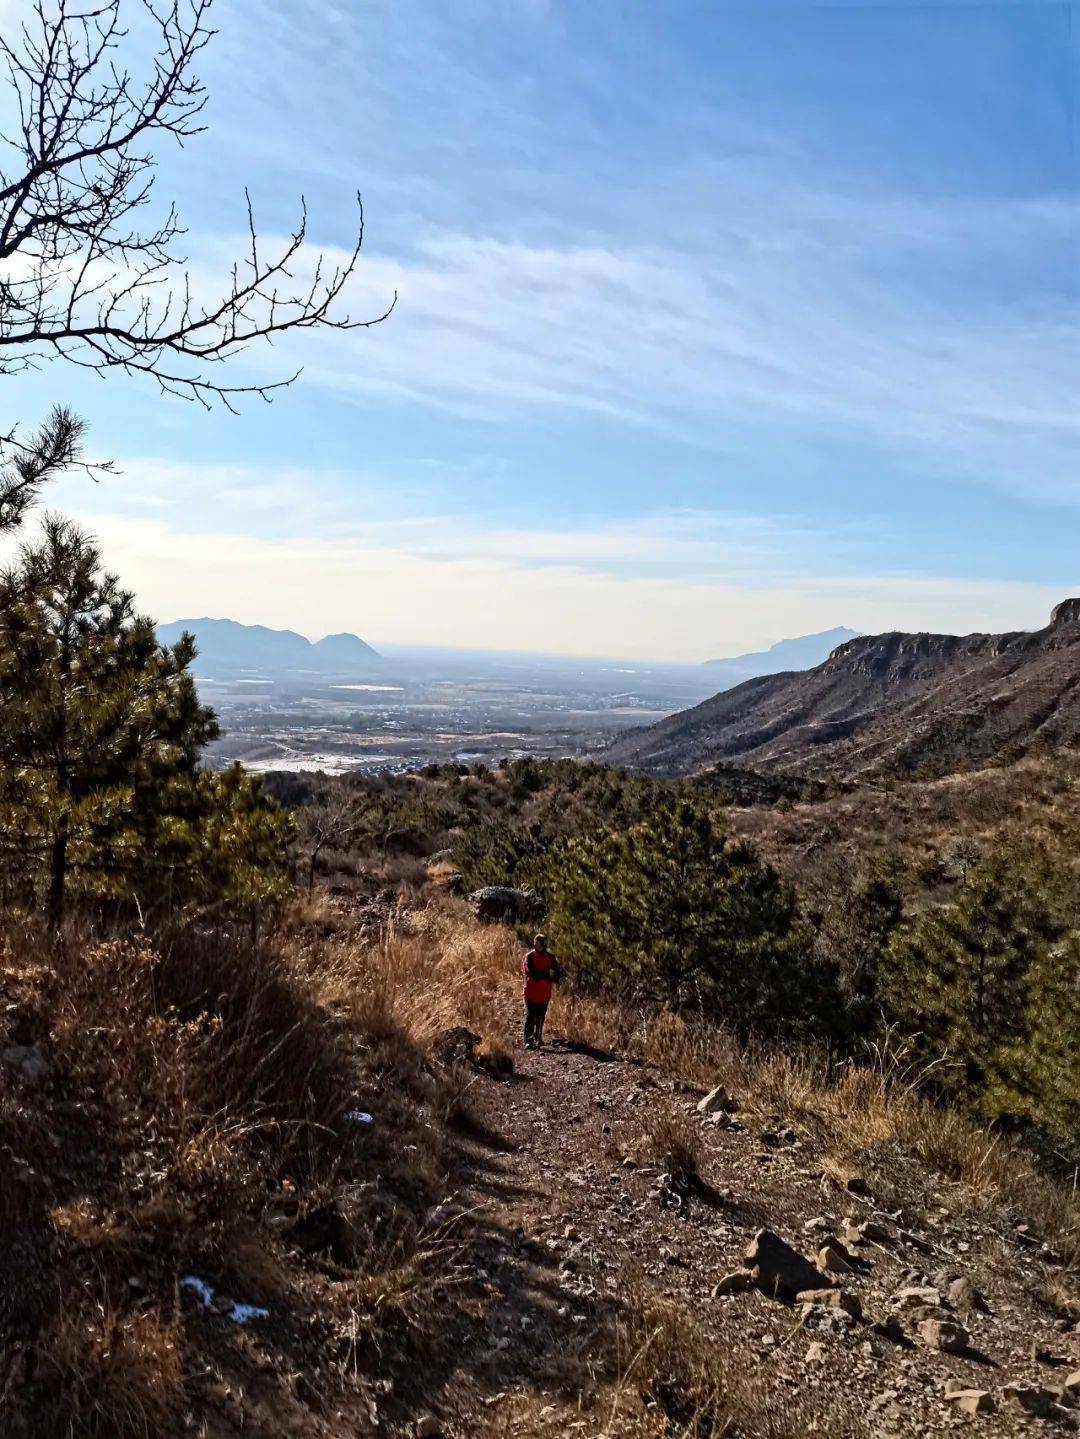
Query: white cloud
x=495, y=596
x=817, y=311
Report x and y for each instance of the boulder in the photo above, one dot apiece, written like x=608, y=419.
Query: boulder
x=890, y=1328
x=971, y=1401
x=841, y=1301
x=716, y=1101
x=833, y=1258
x=944, y=1334
x=1029, y=1399
x=964, y=1296
x=778, y=1269
x=737, y=1283
x=864, y=1232
x=455, y=1046
x=918, y=1297
x=815, y=1354
x=498, y=903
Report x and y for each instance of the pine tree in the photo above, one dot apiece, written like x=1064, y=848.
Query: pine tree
x=989, y=983
x=669, y=909
x=100, y=725
x=222, y=853
x=1036, y=1085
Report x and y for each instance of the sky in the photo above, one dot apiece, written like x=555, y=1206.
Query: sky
x=716, y=323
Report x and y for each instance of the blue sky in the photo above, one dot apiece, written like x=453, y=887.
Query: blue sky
x=716, y=323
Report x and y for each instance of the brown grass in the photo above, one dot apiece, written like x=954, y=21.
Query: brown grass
x=196, y=1122
x=113, y=1376
x=933, y=828
x=663, y=1359
x=671, y=1143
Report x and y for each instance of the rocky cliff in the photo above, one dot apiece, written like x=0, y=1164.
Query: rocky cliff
x=881, y=703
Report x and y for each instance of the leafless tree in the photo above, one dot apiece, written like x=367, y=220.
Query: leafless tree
x=333, y=817
x=80, y=275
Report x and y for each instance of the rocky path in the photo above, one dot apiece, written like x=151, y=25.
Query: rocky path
x=567, y=1221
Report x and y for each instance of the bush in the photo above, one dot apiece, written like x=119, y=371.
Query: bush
x=669, y=910
x=991, y=984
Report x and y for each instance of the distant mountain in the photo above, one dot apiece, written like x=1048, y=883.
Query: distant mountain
x=345, y=651
x=802, y=653
x=883, y=703
x=226, y=646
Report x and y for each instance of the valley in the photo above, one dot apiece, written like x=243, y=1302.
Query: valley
x=417, y=709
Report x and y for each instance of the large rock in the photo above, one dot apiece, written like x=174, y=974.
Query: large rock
x=498, y=903
x=717, y=1101
x=964, y=1296
x=918, y=1297
x=945, y=1335
x=971, y=1401
x=736, y=1283
x=840, y=1301
x=865, y=1231
x=778, y=1269
x=455, y=1046
x=833, y=1258
x=1029, y=1399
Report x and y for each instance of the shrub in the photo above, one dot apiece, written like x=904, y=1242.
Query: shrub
x=991, y=983
x=670, y=910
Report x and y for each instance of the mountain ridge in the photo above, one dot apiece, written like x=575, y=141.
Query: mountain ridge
x=798, y=653
x=882, y=703
x=230, y=645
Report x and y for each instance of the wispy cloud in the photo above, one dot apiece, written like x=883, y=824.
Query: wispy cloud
x=808, y=326
x=566, y=593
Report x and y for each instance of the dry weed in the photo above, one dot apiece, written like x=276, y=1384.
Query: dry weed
x=696, y=1389
x=671, y=1143
x=113, y=1376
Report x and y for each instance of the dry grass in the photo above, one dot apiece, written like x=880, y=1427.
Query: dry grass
x=197, y=1112
x=196, y=1121
x=431, y=973
x=118, y=1376
x=671, y=1143
x=693, y=1388
x=933, y=828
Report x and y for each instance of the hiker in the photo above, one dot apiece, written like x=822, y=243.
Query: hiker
x=541, y=971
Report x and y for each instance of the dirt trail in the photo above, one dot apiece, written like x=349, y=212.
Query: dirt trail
x=566, y=1223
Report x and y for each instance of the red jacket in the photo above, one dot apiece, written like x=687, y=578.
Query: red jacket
x=540, y=968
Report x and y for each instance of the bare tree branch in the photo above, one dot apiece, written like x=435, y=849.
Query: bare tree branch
x=80, y=276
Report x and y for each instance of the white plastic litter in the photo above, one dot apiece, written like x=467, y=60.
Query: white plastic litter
x=360, y=1116
x=239, y=1313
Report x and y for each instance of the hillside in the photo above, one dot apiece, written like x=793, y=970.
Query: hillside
x=226, y=646
x=883, y=703
x=292, y=1194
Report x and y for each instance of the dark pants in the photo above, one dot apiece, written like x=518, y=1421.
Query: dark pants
x=534, y=1021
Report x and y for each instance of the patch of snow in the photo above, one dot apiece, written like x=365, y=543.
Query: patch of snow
x=239, y=1313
